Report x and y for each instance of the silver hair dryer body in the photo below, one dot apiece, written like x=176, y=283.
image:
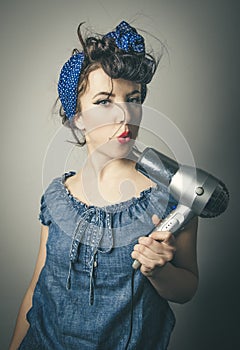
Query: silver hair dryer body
x=198, y=193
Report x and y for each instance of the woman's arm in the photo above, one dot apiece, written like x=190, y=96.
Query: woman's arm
x=21, y=324
x=170, y=263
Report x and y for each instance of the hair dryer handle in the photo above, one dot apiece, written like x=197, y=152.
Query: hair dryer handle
x=173, y=222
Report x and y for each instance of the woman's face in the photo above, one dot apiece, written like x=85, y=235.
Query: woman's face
x=110, y=114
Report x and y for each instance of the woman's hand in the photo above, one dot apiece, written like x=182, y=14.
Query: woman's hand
x=169, y=262
x=155, y=250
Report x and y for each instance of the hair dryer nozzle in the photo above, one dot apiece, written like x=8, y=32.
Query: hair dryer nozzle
x=157, y=166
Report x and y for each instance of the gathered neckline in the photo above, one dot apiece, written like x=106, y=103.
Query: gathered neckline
x=108, y=208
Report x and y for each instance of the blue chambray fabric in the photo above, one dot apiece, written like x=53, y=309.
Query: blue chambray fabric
x=83, y=297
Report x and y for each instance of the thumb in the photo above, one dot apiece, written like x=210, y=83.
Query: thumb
x=155, y=219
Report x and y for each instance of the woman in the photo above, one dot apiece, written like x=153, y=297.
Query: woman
x=84, y=293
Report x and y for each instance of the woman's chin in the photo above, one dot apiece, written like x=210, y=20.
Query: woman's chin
x=115, y=149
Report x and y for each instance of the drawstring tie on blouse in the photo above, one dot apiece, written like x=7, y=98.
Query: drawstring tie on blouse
x=93, y=238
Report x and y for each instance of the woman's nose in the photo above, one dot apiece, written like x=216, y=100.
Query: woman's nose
x=119, y=113
x=126, y=113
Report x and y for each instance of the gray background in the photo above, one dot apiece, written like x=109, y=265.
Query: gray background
x=198, y=89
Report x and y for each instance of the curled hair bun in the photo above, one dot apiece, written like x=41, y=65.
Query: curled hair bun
x=117, y=63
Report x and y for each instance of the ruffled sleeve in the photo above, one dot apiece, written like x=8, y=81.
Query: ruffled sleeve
x=44, y=215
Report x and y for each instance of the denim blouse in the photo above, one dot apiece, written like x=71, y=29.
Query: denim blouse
x=88, y=296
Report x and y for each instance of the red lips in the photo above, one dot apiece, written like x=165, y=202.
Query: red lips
x=125, y=134
x=125, y=137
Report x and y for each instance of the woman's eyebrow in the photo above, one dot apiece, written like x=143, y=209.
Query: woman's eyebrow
x=133, y=92
x=104, y=93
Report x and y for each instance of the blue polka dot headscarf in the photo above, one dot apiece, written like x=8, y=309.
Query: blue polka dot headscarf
x=68, y=83
x=126, y=38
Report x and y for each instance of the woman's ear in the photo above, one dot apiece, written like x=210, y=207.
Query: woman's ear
x=78, y=120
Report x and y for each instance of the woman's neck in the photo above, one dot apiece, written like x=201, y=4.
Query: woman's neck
x=103, y=181
x=107, y=181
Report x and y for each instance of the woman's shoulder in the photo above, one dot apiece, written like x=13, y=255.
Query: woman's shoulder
x=58, y=183
x=72, y=183
x=57, y=192
x=58, y=206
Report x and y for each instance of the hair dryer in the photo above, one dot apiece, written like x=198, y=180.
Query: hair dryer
x=197, y=192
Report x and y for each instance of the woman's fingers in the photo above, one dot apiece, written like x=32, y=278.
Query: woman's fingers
x=154, y=250
x=156, y=244
x=163, y=236
x=160, y=258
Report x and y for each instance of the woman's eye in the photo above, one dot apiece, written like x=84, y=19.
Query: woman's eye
x=104, y=102
x=135, y=100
